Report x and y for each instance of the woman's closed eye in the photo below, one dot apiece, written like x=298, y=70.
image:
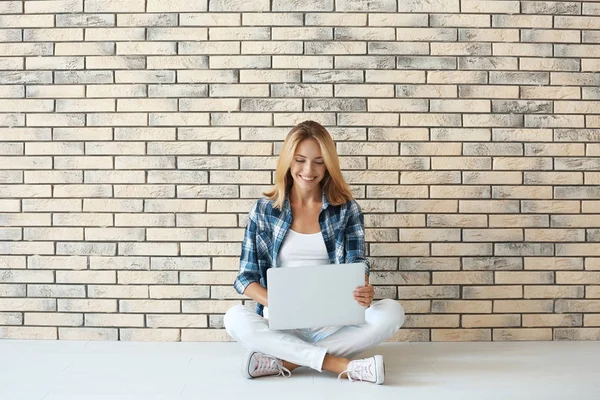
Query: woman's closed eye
x=316, y=162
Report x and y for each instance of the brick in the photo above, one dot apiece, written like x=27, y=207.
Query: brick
x=518, y=106
x=149, y=306
x=361, y=119
x=461, y=49
x=342, y=19
x=527, y=334
x=522, y=21
x=430, y=292
x=25, y=77
x=512, y=249
x=491, y=91
x=111, y=320
x=460, y=335
x=576, y=22
x=84, y=20
x=150, y=335
x=13, y=91
x=495, y=235
x=447, y=77
x=87, y=305
x=490, y=321
x=406, y=62
x=116, y=90
x=529, y=277
x=429, y=235
x=494, y=292
x=430, y=119
x=589, y=320
x=456, y=20
x=561, y=178
x=431, y=321
x=523, y=306
x=28, y=332
x=295, y=47
x=504, y=7
x=257, y=19
x=426, y=34
x=26, y=21
x=460, y=106
x=343, y=90
x=257, y=90
x=510, y=163
x=427, y=91
x=226, y=5
x=553, y=292
x=461, y=306
x=174, y=6
x=436, y=6
x=462, y=278
x=11, y=7
x=488, y=63
x=118, y=291
x=54, y=319
x=114, y=34
x=364, y=33
x=568, y=305
x=84, y=49
x=554, y=263
x=576, y=334
x=550, y=36
x=553, y=320
x=529, y=92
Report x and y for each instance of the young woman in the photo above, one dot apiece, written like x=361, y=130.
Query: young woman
x=308, y=218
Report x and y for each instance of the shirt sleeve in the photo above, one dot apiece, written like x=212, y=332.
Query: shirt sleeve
x=249, y=271
x=355, y=237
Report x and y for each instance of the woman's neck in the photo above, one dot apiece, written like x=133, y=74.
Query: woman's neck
x=304, y=198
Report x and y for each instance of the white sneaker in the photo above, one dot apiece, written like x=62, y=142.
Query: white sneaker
x=257, y=364
x=370, y=369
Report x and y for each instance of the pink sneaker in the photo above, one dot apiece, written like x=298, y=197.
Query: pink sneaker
x=257, y=364
x=370, y=369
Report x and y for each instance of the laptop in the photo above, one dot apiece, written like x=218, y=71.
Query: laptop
x=315, y=296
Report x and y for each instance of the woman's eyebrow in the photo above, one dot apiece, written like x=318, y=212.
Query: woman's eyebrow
x=300, y=155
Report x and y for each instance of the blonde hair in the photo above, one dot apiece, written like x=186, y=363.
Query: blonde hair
x=334, y=185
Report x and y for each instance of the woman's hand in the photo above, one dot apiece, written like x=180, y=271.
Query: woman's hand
x=364, y=295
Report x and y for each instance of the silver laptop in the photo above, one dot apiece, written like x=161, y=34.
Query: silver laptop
x=315, y=296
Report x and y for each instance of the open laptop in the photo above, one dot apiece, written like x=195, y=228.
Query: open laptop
x=315, y=296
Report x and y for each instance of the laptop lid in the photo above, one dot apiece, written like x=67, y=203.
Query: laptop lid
x=315, y=296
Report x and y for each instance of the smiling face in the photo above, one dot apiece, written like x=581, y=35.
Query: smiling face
x=308, y=167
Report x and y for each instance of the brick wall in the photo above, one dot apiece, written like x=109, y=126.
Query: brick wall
x=137, y=134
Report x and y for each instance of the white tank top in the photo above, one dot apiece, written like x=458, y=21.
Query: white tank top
x=301, y=249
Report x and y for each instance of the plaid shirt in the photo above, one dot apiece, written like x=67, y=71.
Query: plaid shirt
x=342, y=228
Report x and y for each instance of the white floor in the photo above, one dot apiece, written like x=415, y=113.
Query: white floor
x=77, y=370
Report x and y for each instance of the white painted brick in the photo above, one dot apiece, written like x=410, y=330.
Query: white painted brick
x=228, y=5
x=106, y=6
x=87, y=334
x=210, y=19
x=175, y=6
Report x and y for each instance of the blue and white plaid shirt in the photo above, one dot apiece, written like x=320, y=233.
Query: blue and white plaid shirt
x=342, y=228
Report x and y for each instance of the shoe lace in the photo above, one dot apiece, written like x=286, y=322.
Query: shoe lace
x=266, y=363
x=357, y=369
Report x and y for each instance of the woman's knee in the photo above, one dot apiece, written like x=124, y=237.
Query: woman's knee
x=394, y=313
x=232, y=317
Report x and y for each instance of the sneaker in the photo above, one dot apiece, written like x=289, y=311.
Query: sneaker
x=370, y=369
x=257, y=364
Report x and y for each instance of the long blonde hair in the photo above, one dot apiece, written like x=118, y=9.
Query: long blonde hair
x=334, y=185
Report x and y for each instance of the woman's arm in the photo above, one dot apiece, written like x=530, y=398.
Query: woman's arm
x=354, y=247
x=249, y=271
x=257, y=293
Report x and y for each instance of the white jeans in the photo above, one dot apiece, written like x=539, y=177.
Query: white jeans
x=308, y=347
